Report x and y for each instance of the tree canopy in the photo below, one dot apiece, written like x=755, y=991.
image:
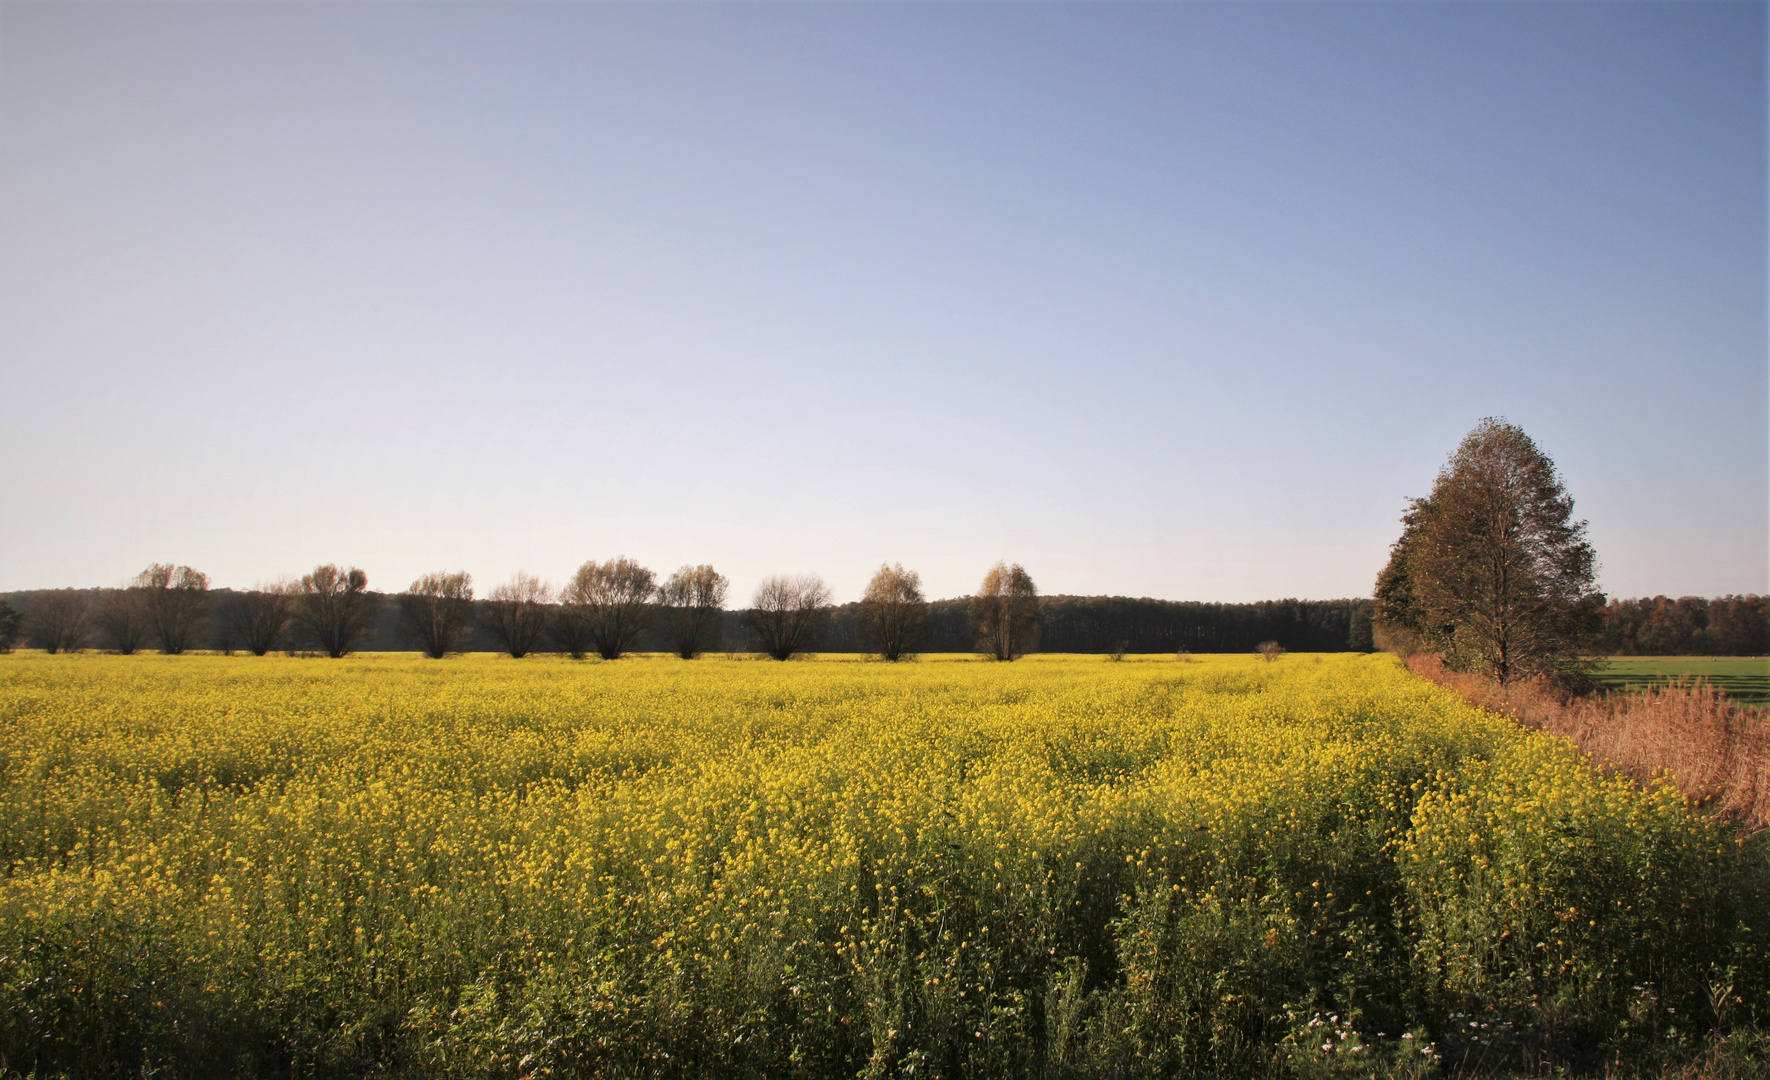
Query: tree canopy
x=1490, y=568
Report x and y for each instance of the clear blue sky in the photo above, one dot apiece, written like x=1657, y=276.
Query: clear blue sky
x=1166, y=300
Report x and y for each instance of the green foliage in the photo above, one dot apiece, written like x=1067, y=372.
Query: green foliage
x=1400, y=619
x=1568, y=917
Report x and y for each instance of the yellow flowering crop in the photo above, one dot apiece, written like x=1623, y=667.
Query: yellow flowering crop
x=496, y=867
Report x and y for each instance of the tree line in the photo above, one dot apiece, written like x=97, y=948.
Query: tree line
x=1491, y=570
x=1688, y=626
x=611, y=608
x=331, y=610
x=605, y=608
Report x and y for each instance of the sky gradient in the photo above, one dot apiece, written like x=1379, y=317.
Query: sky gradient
x=1179, y=301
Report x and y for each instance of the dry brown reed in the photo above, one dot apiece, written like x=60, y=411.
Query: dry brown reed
x=1716, y=750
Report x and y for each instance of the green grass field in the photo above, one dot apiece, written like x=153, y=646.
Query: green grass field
x=1746, y=679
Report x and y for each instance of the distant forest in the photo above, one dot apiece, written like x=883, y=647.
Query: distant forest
x=1688, y=626
x=1104, y=624
x=1079, y=624
x=1729, y=626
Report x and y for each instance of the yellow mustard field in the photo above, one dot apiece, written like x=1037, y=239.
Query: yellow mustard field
x=1063, y=866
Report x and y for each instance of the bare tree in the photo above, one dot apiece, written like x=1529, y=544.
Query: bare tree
x=12, y=626
x=258, y=621
x=123, y=622
x=1491, y=569
x=609, y=599
x=334, y=608
x=692, y=603
x=177, y=603
x=892, y=612
x=57, y=620
x=438, y=611
x=787, y=613
x=1005, y=612
x=1269, y=650
x=517, y=614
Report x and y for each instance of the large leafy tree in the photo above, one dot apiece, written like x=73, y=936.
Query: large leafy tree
x=1491, y=569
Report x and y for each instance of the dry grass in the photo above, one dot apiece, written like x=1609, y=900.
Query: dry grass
x=1717, y=751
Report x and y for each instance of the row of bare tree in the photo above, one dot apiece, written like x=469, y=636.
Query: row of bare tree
x=169, y=607
x=164, y=604
x=607, y=606
x=603, y=609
